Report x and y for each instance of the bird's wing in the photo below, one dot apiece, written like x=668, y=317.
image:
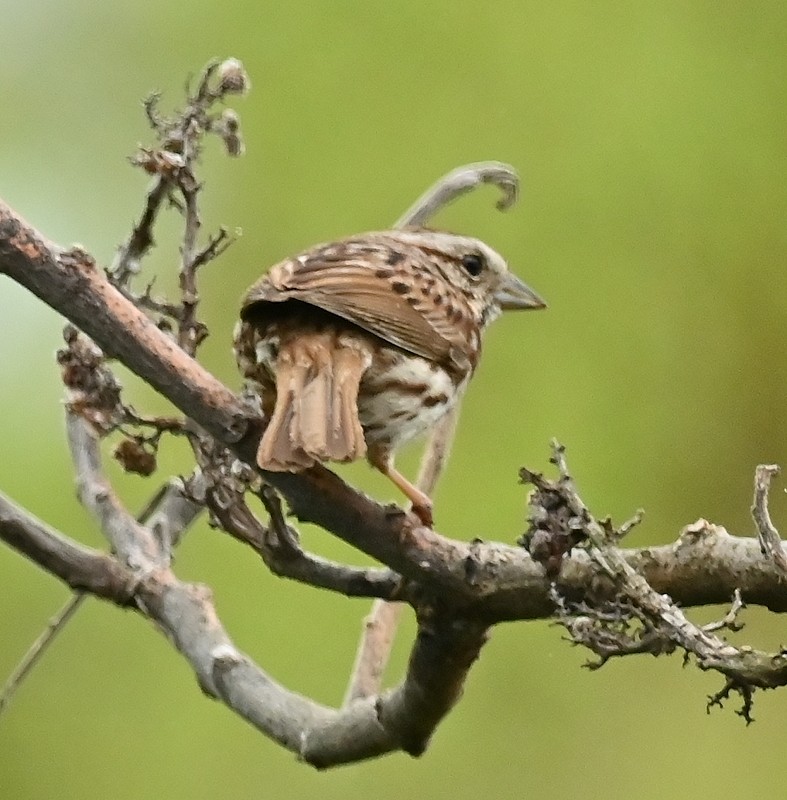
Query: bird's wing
x=364, y=281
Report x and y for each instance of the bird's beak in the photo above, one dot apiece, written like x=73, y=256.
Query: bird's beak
x=513, y=294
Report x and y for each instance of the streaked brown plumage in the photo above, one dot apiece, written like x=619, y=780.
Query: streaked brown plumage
x=360, y=345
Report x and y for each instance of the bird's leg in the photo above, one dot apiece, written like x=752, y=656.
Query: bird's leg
x=422, y=503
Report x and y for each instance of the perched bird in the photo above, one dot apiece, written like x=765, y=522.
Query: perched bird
x=360, y=345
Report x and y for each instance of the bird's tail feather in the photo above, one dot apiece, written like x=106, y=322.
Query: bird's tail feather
x=315, y=417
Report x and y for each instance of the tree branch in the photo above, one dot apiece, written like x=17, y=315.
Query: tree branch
x=446, y=644
x=290, y=560
x=404, y=718
x=770, y=541
x=640, y=618
x=81, y=568
x=457, y=589
x=131, y=541
x=459, y=182
x=500, y=582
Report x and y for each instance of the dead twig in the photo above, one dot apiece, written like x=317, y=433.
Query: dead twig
x=770, y=541
x=745, y=669
x=37, y=649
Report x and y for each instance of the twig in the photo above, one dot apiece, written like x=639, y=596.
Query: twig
x=195, y=122
x=172, y=163
x=128, y=256
x=280, y=537
x=173, y=509
x=374, y=650
x=744, y=668
x=626, y=527
x=38, y=648
x=284, y=556
x=458, y=182
x=730, y=619
x=131, y=541
x=189, y=332
x=438, y=448
x=770, y=541
x=217, y=244
x=154, y=304
x=379, y=627
x=168, y=514
x=82, y=568
x=160, y=424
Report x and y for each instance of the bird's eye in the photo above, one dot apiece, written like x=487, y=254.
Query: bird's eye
x=473, y=263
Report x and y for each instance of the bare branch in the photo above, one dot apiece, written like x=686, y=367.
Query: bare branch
x=173, y=163
x=770, y=541
x=745, y=668
x=190, y=334
x=374, y=650
x=131, y=541
x=730, y=619
x=284, y=556
x=69, y=282
x=477, y=584
x=504, y=582
x=379, y=627
x=217, y=244
x=38, y=648
x=437, y=450
x=129, y=255
x=403, y=718
x=81, y=568
x=280, y=536
x=458, y=182
x=629, y=525
x=167, y=515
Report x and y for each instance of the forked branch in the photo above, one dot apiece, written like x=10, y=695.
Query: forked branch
x=610, y=599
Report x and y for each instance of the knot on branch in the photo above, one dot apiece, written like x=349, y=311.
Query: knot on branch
x=559, y=520
x=93, y=390
x=554, y=529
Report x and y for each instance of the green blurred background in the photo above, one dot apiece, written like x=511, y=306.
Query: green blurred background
x=650, y=138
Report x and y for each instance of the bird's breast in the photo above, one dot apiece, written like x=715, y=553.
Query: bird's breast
x=402, y=396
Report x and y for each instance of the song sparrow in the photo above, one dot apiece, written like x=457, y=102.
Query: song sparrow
x=360, y=345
